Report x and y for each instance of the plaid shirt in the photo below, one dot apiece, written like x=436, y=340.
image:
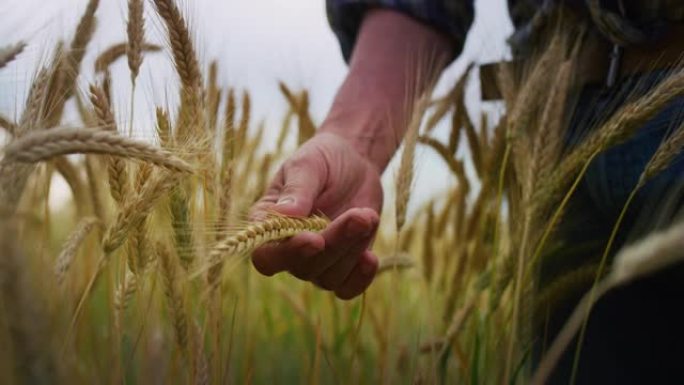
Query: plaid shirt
x=637, y=22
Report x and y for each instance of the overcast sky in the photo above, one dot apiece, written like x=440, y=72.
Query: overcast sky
x=257, y=43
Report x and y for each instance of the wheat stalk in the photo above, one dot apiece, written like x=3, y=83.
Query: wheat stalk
x=116, y=167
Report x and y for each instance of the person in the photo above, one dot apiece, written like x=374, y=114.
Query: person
x=337, y=172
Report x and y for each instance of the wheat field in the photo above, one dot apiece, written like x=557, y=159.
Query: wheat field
x=143, y=276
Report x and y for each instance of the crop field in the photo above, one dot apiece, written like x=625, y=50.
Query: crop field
x=143, y=274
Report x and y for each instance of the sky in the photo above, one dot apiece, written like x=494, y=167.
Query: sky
x=256, y=43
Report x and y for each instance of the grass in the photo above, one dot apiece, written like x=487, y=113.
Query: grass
x=144, y=275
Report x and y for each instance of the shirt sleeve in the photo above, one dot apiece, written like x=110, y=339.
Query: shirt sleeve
x=452, y=17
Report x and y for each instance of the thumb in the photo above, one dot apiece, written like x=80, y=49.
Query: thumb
x=301, y=186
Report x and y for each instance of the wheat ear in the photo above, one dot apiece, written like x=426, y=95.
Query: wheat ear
x=10, y=52
x=63, y=81
x=136, y=210
x=186, y=63
x=182, y=48
x=136, y=35
x=116, y=51
x=618, y=128
x=124, y=293
x=664, y=155
x=44, y=145
x=66, y=256
x=116, y=167
x=179, y=318
x=274, y=228
x=406, y=171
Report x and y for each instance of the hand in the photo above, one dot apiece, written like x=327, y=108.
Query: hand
x=337, y=172
x=326, y=175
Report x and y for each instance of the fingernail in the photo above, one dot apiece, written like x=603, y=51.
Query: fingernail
x=285, y=201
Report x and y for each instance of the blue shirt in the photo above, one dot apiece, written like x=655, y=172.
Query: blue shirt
x=638, y=21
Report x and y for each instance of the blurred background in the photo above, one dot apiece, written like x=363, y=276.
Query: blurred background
x=257, y=43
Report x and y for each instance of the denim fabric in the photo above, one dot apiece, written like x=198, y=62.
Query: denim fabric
x=645, y=20
x=633, y=334
x=614, y=173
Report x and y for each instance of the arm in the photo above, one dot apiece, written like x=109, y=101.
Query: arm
x=337, y=172
x=395, y=59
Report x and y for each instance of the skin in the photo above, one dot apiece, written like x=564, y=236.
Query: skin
x=337, y=172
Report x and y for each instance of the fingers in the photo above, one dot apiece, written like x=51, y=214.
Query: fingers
x=293, y=190
x=346, y=236
x=272, y=259
x=337, y=259
x=342, y=258
x=360, y=277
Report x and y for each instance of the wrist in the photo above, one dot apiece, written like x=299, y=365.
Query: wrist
x=396, y=58
x=366, y=132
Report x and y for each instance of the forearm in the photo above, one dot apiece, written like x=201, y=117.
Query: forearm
x=394, y=60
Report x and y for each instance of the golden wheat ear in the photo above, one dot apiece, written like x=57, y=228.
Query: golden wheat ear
x=274, y=227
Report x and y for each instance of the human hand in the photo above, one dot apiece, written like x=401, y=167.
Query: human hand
x=326, y=175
